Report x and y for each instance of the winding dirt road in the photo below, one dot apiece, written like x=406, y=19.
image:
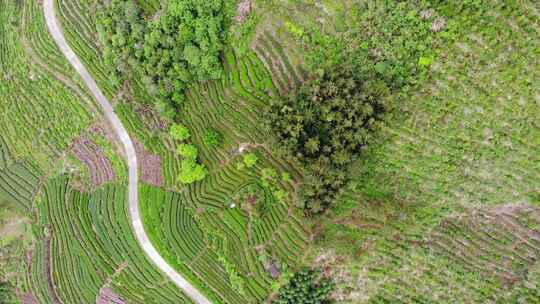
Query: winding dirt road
x=58, y=36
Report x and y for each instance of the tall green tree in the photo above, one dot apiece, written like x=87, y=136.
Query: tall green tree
x=325, y=124
x=307, y=286
x=181, y=46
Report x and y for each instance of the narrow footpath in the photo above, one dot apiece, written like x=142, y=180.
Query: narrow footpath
x=108, y=111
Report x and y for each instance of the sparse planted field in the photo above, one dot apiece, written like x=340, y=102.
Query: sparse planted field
x=433, y=197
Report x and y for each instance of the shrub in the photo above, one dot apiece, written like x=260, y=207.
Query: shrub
x=6, y=292
x=307, y=286
x=179, y=132
x=188, y=151
x=250, y=160
x=212, y=138
x=191, y=172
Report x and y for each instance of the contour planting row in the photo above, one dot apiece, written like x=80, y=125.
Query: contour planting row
x=80, y=31
x=165, y=216
x=227, y=232
x=27, y=92
x=37, y=37
x=233, y=106
x=19, y=182
x=89, y=239
x=502, y=243
x=483, y=255
x=286, y=76
x=471, y=135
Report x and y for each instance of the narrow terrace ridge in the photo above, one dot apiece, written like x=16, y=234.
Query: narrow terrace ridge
x=56, y=31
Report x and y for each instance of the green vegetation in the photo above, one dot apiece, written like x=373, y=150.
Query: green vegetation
x=191, y=172
x=181, y=45
x=451, y=147
x=52, y=237
x=436, y=201
x=237, y=217
x=250, y=160
x=212, y=138
x=88, y=236
x=307, y=286
x=189, y=152
x=324, y=125
x=6, y=293
x=31, y=125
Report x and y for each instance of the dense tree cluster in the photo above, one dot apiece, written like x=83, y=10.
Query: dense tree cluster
x=179, y=45
x=121, y=28
x=307, y=286
x=324, y=125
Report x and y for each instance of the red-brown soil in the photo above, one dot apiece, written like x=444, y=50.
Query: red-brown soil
x=88, y=152
x=150, y=165
x=108, y=296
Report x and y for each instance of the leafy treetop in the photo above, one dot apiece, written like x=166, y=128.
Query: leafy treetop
x=191, y=172
x=188, y=151
x=250, y=160
x=324, y=125
x=307, y=286
x=182, y=45
x=179, y=132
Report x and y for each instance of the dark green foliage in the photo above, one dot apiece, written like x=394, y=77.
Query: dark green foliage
x=121, y=28
x=212, y=138
x=324, y=125
x=182, y=45
x=397, y=41
x=6, y=293
x=307, y=286
x=250, y=160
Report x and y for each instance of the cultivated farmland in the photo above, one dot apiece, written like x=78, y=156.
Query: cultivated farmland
x=441, y=197
x=279, y=235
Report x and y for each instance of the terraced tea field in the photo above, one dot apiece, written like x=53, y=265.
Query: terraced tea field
x=27, y=89
x=77, y=236
x=210, y=225
x=19, y=180
x=87, y=237
x=442, y=206
x=279, y=235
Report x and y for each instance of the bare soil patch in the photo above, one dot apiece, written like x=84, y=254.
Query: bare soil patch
x=88, y=152
x=108, y=296
x=29, y=298
x=150, y=165
x=243, y=10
